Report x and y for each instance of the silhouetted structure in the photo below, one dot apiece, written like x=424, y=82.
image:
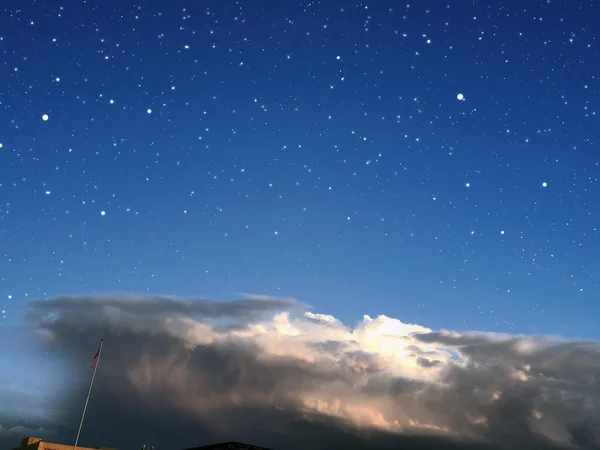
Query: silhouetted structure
x=229, y=446
x=33, y=443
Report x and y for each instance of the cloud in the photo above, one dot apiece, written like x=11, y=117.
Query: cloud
x=20, y=430
x=266, y=370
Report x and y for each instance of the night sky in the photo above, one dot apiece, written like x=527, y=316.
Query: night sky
x=432, y=161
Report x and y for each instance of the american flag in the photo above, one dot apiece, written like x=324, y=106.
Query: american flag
x=96, y=356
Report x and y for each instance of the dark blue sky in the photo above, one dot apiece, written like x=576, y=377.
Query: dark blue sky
x=314, y=150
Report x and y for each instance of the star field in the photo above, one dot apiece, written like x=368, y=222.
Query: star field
x=435, y=161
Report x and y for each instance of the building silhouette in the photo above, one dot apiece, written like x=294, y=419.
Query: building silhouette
x=34, y=443
x=229, y=446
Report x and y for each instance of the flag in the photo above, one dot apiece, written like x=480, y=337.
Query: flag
x=96, y=357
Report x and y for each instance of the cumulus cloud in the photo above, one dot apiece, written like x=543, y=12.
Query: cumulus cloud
x=268, y=370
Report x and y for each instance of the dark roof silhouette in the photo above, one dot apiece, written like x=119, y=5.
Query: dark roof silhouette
x=229, y=446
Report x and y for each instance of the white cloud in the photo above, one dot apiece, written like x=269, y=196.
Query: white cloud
x=380, y=374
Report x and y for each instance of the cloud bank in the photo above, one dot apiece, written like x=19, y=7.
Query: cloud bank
x=180, y=373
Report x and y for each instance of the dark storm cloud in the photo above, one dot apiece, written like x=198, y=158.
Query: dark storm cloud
x=244, y=308
x=545, y=386
x=424, y=362
x=310, y=381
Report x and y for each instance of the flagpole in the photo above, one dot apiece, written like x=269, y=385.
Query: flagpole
x=87, y=399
